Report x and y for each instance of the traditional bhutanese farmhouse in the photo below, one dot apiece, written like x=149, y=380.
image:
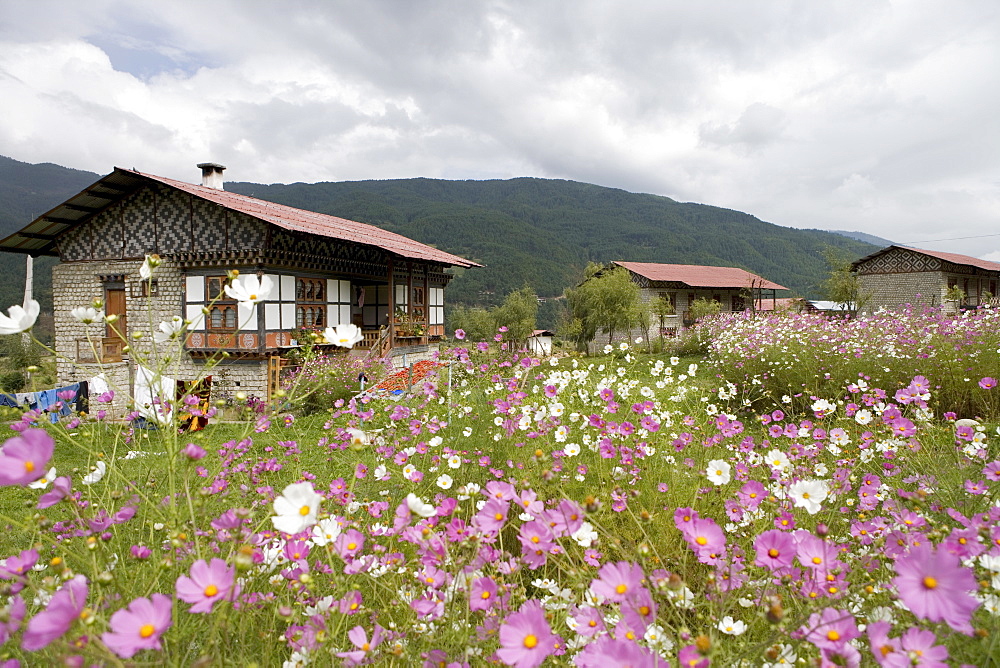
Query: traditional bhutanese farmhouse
x=681, y=284
x=325, y=271
x=899, y=275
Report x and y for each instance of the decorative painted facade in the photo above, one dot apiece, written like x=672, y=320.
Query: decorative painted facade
x=325, y=271
x=898, y=275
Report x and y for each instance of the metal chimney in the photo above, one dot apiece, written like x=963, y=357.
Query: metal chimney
x=211, y=175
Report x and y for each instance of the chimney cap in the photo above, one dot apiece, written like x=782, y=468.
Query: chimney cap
x=210, y=165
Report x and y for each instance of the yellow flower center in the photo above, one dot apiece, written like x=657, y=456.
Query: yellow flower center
x=817, y=560
x=253, y=297
x=211, y=590
x=805, y=495
x=304, y=510
x=365, y=647
x=621, y=589
x=832, y=636
x=352, y=546
x=701, y=540
x=773, y=553
x=498, y=517
x=485, y=595
x=930, y=583
x=534, y=539
x=644, y=610
x=147, y=630
x=29, y=466
x=530, y=641
x=354, y=606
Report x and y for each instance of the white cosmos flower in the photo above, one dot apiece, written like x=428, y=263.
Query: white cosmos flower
x=808, y=494
x=249, y=290
x=444, y=481
x=719, y=472
x=418, y=506
x=148, y=264
x=571, y=449
x=97, y=475
x=87, y=314
x=45, y=480
x=169, y=329
x=345, y=335
x=325, y=531
x=357, y=436
x=296, y=508
x=455, y=461
x=778, y=460
x=732, y=627
x=21, y=318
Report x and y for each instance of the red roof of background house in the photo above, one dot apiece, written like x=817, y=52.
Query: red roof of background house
x=954, y=258
x=39, y=236
x=699, y=276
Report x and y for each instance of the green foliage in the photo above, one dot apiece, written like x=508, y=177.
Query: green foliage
x=607, y=301
x=842, y=285
x=703, y=308
x=323, y=380
x=518, y=313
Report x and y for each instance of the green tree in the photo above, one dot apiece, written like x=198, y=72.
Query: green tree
x=842, y=285
x=661, y=307
x=607, y=300
x=702, y=308
x=518, y=314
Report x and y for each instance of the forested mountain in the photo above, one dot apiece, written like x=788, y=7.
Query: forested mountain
x=544, y=231
x=525, y=230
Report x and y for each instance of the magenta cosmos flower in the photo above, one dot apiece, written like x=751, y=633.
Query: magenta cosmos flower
x=63, y=609
x=139, y=626
x=25, y=458
x=525, y=637
x=935, y=586
x=207, y=584
x=775, y=549
x=615, y=582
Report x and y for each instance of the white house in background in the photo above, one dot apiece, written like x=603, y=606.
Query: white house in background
x=540, y=342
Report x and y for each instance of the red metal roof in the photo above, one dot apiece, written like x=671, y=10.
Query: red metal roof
x=699, y=276
x=954, y=258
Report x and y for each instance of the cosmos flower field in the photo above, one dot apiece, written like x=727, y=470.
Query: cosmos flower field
x=758, y=507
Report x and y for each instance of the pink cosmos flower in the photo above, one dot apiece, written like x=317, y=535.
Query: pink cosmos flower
x=139, y=626
x=831, y=629
x=359, y=637
x=25, y=458
x=917, y=648
x=988, y=383
x=935, y=586
x=207, y=584
x=54, y=621
x=482, y=594
x=775, y=549
x=615, y=582
x=460, y=334
x=607, y=651
x=11, y=617
x=525, y=637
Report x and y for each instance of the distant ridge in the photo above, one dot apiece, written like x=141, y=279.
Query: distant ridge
x=541, y=232
x=867, y=238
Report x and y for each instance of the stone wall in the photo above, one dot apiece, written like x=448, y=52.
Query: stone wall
x=77, y=284
x=890, y=291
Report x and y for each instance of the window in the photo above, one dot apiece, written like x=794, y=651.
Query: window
x=738, y=303
x=310, y=302
x=222, y=313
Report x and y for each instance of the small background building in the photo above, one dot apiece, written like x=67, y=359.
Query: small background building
x=735, y=290
x=897, y=275
x=540, y=342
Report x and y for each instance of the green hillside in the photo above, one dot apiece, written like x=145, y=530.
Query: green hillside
x=545, y=231
x=539, y=231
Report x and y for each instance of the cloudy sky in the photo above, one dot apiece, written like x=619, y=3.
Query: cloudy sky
x=871, y=115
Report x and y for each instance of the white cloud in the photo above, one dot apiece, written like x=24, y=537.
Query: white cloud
x=854, y=115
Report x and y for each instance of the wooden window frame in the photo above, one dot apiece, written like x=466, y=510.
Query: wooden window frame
x=220, y=306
